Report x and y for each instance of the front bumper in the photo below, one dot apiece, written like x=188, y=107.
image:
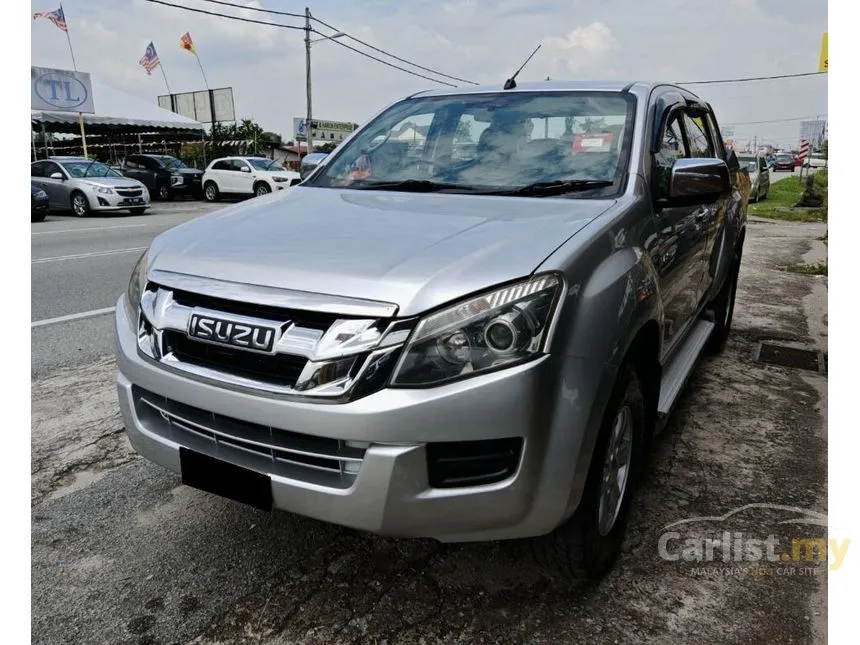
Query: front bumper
x=114, y=202
x=390, y=492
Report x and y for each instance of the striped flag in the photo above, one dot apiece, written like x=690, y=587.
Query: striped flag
x=186, y=43
x=57, y=17
x=149, y=61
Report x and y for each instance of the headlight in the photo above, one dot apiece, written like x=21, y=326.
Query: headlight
x=135, y=287
x=496, y=329
x=176, y=180
x=281, y=179
x=104, y=190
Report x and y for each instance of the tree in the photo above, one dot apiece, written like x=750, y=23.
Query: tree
x=592, y=125
x=823, y=148
x=328, y=146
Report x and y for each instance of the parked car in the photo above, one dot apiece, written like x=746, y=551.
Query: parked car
x=463, y=349
x=759, y=173
x=38, y=204
x=85, y=185
x=245, y=176
x=310, y=162
x=815, y=160
x=164, y=176
x=784, y=161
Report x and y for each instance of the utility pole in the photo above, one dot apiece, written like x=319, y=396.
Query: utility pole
x=309, y=116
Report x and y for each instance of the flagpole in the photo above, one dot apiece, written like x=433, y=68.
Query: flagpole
x=75, y=67
x=165, y=78
x=205, y=82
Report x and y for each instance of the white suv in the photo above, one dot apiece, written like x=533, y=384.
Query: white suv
x=245, y=176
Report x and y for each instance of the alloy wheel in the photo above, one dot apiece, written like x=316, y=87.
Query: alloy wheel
x=616, y=470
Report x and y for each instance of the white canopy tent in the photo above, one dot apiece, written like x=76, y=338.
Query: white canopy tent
x=116, y=112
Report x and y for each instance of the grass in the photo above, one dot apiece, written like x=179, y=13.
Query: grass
x=783, y=196
x=818, y=268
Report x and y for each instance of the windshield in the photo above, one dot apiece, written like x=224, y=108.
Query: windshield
x=265, y=164
x=784, y=158
x=489, y=143
x=171, y=163
x=82, y=169
x=750, y=163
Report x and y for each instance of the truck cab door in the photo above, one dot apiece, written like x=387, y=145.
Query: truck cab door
x=677, y=247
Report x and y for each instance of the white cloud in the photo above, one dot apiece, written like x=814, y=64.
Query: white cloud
x=480, y=40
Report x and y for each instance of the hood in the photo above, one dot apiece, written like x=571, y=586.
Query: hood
x=187, y=171
x=417, y=251
x=112, y=182
x=286, y=174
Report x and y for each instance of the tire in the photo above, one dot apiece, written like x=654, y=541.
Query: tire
x=38, y=217
x=138, y=211
x=261, y=188
x=163, y=193
x=723, y=307
x=80, y=204
x=583, y=548
x=211, y=192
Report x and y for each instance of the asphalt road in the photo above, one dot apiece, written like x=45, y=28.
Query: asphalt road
x=79, y=267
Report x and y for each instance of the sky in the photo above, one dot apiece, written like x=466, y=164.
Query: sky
x=479, y=40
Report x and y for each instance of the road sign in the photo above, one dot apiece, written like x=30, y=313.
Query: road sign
x=803, y=152
x=323, y=130
x=60, y=90
x=822, y=57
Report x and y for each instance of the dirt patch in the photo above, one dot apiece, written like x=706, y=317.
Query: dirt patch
x=76, y=429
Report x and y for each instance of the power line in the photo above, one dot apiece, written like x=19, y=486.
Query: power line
x=351, y=37
x=752, y=78
x=818, y=117
x=274, y=24
x=385, y=62
x=390, y=55
x=271, y=11
x=222, y=15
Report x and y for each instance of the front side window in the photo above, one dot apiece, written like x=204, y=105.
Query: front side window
x=500, y=143
x=172, y=163
x=700, y=140
x=265, y=164
x=86, y=169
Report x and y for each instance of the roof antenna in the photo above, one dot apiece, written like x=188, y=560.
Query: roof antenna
x=511, y=83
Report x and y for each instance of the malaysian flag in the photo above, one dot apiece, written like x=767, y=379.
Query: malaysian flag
x=149, y=61
x=56, y=17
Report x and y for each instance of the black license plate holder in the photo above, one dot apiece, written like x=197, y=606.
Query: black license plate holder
x=228, y=480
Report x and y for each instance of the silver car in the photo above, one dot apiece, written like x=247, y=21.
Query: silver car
x=759, y=173
x=84, y=186
x=468, y=332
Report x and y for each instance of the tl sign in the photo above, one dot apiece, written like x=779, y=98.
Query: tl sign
x=57, y=90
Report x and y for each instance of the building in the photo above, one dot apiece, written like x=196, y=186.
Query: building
x=814, y=132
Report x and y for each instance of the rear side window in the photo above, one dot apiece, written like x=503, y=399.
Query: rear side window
x=699, y=137
x=132, y=164
x=38, y=169
x=221, y=165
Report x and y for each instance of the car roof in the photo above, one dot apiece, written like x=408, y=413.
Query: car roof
x=67, y=158
x=552, y=86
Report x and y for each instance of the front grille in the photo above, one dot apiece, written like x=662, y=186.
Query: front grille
x=314, y=320
x=129, y=192
x=327, y=462
x=278, y=369
x=455, y=464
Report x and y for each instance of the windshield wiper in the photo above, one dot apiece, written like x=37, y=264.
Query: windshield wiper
x=545, y=188
x=413, y=186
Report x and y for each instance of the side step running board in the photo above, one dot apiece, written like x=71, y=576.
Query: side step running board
x=675, y=374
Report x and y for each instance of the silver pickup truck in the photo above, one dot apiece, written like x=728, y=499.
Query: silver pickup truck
x=466, y=325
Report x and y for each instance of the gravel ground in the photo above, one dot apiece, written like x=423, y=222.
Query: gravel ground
x=122, y=553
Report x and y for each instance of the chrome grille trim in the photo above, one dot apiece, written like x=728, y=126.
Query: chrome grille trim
x=220, y=436
x=336, y=351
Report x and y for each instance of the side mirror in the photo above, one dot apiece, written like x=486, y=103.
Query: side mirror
x=698, y=181
x=245, y=169
x=57, y=175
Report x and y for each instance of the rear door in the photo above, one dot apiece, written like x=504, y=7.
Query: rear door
x=134, y=169
x=59, y=192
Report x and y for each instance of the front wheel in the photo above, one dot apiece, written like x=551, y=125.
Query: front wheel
x=587, y=545
x=210, y=192
x=261, y=189
x=163, y=193
x=80, y=204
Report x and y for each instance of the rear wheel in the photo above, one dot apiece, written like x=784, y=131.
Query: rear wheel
x=80, y=204
x=587, y=545
x=210, y=192
x=723, y=307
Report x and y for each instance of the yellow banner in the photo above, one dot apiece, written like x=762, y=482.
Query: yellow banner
x=822, y=58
